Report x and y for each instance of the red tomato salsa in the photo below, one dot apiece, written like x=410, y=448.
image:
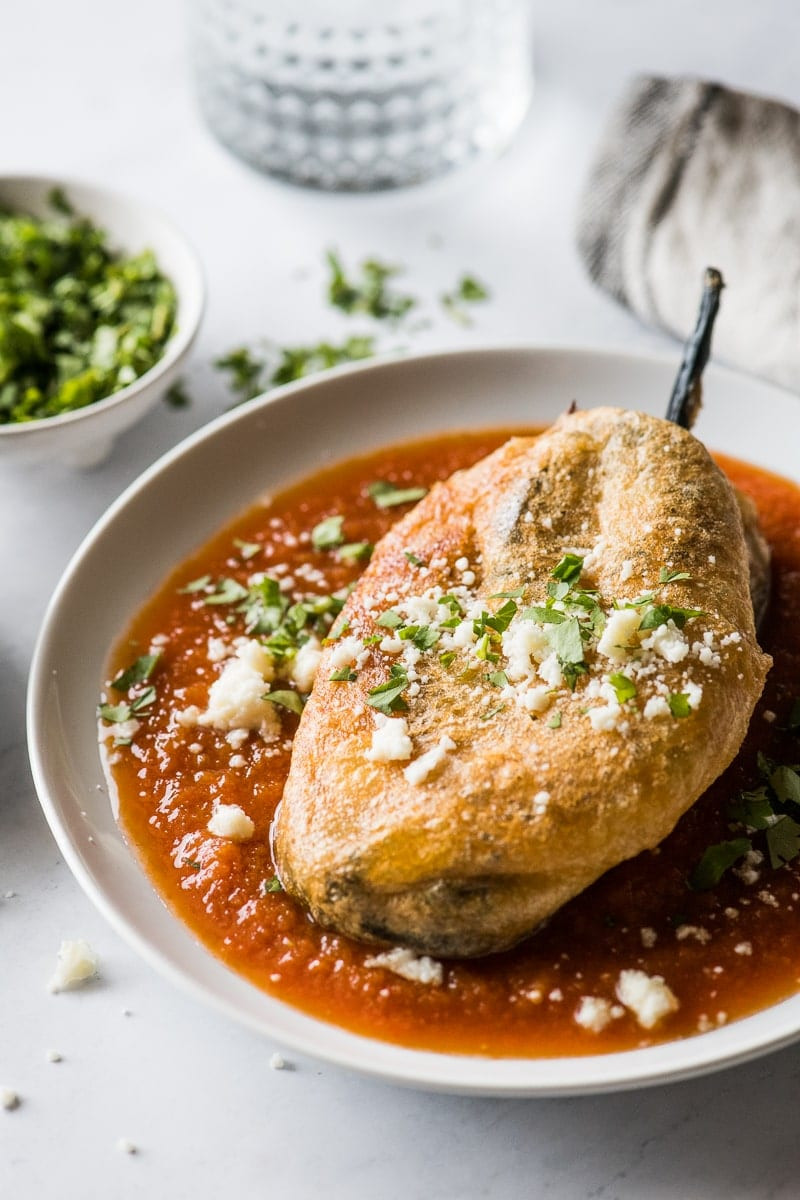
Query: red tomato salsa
x=724, y=952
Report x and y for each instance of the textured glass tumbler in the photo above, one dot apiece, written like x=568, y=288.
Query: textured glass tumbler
x=358, y=95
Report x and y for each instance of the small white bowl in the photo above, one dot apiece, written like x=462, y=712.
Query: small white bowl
x=85, y=437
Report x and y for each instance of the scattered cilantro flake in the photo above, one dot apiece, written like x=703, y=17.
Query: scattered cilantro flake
x=659, y=614
x=387, y=696
x=715, y=861
x=752, y=809
x=356, y=551
x=565, y=639
x=498, y=679
x=492, y=712
x=370, y=294
x=568, y=570
x=271, y=885
x=249, y=374
x=389, y=495
x=286, y=698
x=115, y=714
x=425, y=638
x=78, y=322
x=783, y=841
x=196, y=585
x=328, y=533
x=245, y=372
x=138, y=672
x=513, y=595
x=623, y=686
x=467, y=291
x=545, y=616
x=554, y=721
x=228, y=591
x=177, y=396
x=667, y=576
x=448, y=658
x=412, y=558
x=144, y=700
x=785, y=782
x=247, y=549
x=679, y=704
x=343, y=675
x=389, y=620
x=483, y=649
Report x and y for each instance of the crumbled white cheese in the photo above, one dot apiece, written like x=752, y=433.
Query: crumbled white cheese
x=668, y=642
x=731, y=639
x=533, y=699
x=648, y=936
x=462, y=564
x=345, y=653
x=53, y=1056
x=278, y=1063
x=696, y=932
x=231, y=821
x=618, y=637
x=540, y=803
x=217, y=649
x=77, y=963
x=126, y=1146
x=305, y=663
x=656, y=706
x=594, y=1013
x=236, y=699
x=9, y=1099
x=694, y=693
x=550, y=671
x=626, y=570
x=121, y=731
x=390, y=740
x=647, y=996
x=605, y=718
x=405, y=963
x=459, y=638
x=419, y=770
x=522, y=641
x=744, y=948
x=468, y=578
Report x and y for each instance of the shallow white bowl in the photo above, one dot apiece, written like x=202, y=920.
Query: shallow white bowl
x=199, y=486
x=85, y=437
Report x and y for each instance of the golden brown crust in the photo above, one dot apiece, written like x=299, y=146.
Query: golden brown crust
x=520, y=817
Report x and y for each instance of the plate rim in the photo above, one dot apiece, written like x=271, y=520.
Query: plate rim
x=428, y=1070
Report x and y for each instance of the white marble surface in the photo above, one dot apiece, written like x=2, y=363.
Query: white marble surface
x=99, y=89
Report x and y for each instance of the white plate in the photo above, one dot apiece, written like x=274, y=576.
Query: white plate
x=195, y=489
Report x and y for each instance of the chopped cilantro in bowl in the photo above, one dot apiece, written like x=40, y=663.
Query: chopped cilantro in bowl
x=79, y=320
x=111, y=311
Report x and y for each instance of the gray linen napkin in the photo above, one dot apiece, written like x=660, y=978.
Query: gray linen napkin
x=690, y=174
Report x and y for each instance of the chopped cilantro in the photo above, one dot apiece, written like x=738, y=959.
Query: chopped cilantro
x=343, y=675
x=516, y=594
x=468, y=290
x=389, y=495
x=752, y=809
x=387, y=696
x=492, y=712
x=370, y=294
x=246, y=549
x=286, y=699
x=196, y=585
x=565, y=639
x=78, y=322
x=659, y=614
x=412, y=558
x=783, y=841
x=545, y=616
x=389, y=620
x=498, y=679
x=569, y=569
x=785, y=782
x=715, y=862
x=667, y=576
x=250, y=375
x=679, y=704
x=328, y=533
x=228, y=591
x=554, y=721
x=356, y=551
x=138, y=672
x=624, y=687
x=448, y=658
x=144, y=700
x=177, y=396
x=271, y=885
x=114, y=713
x=483, y=649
